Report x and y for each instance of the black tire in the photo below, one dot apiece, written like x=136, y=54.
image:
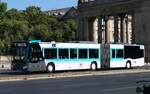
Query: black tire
x=93, y=66
x=50, y=68
x=128, y=65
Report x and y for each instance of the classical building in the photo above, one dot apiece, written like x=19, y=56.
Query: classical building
x=64, y=13
x=115, y=21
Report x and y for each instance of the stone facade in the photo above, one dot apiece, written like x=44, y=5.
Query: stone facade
x=115, y=21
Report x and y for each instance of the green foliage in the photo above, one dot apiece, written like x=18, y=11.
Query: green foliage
x=30, y=24
x=3, y=8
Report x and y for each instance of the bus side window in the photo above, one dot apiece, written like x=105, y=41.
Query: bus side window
x=73, y=53
x=93, y=53
x=119, y=53
x=82, y=53
x=113, y=53
x=63, y=54
x=50, y=53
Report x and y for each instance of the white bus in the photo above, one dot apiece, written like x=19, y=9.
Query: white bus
x=71, y=56
x=122, y=55
x=52, y=56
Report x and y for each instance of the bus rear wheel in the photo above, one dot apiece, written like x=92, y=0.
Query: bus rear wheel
x=93, y=66
x=128, y=65
x=50, y=68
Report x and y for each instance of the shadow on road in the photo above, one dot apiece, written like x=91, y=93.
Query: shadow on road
x=10, y=72
x=143, y=87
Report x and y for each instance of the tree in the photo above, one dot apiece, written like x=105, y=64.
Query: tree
x=3, y=8
x=14, y=14
x=33, y=15
x=30, y=24
x=39, y=32
x=70, y=27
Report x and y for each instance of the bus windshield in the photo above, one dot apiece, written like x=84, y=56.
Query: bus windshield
x=35, y=53
x=18, y=51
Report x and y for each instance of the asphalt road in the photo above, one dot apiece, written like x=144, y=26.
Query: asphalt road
x=113, y=84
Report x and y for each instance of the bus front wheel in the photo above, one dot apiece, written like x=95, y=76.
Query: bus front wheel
x=93, y=66
x=128, y=65
x=50, y=68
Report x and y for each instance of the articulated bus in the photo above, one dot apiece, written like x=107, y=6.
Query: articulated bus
x=52, y=56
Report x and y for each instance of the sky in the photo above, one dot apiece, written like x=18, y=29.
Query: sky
x=43, y=4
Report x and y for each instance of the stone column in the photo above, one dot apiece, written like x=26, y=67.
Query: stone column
x=133, y=28
x=95, y=30
x=130, y=29
x=122, y=30
x=127, y=30
x=106, y=29
x=86, y=29
x=103, y=29
x=111, y=29
x=100, y=29
x=80, y=29
x=91, y=27
x=116, y=35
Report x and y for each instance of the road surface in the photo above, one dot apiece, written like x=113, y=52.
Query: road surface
x=108, y=84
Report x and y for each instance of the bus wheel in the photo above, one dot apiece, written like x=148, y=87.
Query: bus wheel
x=93, y=66
x=128, y=65
x=50, y=68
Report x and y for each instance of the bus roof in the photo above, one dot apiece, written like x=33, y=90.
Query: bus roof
x=68, y=45
x=121, y=46
x=35, y=41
